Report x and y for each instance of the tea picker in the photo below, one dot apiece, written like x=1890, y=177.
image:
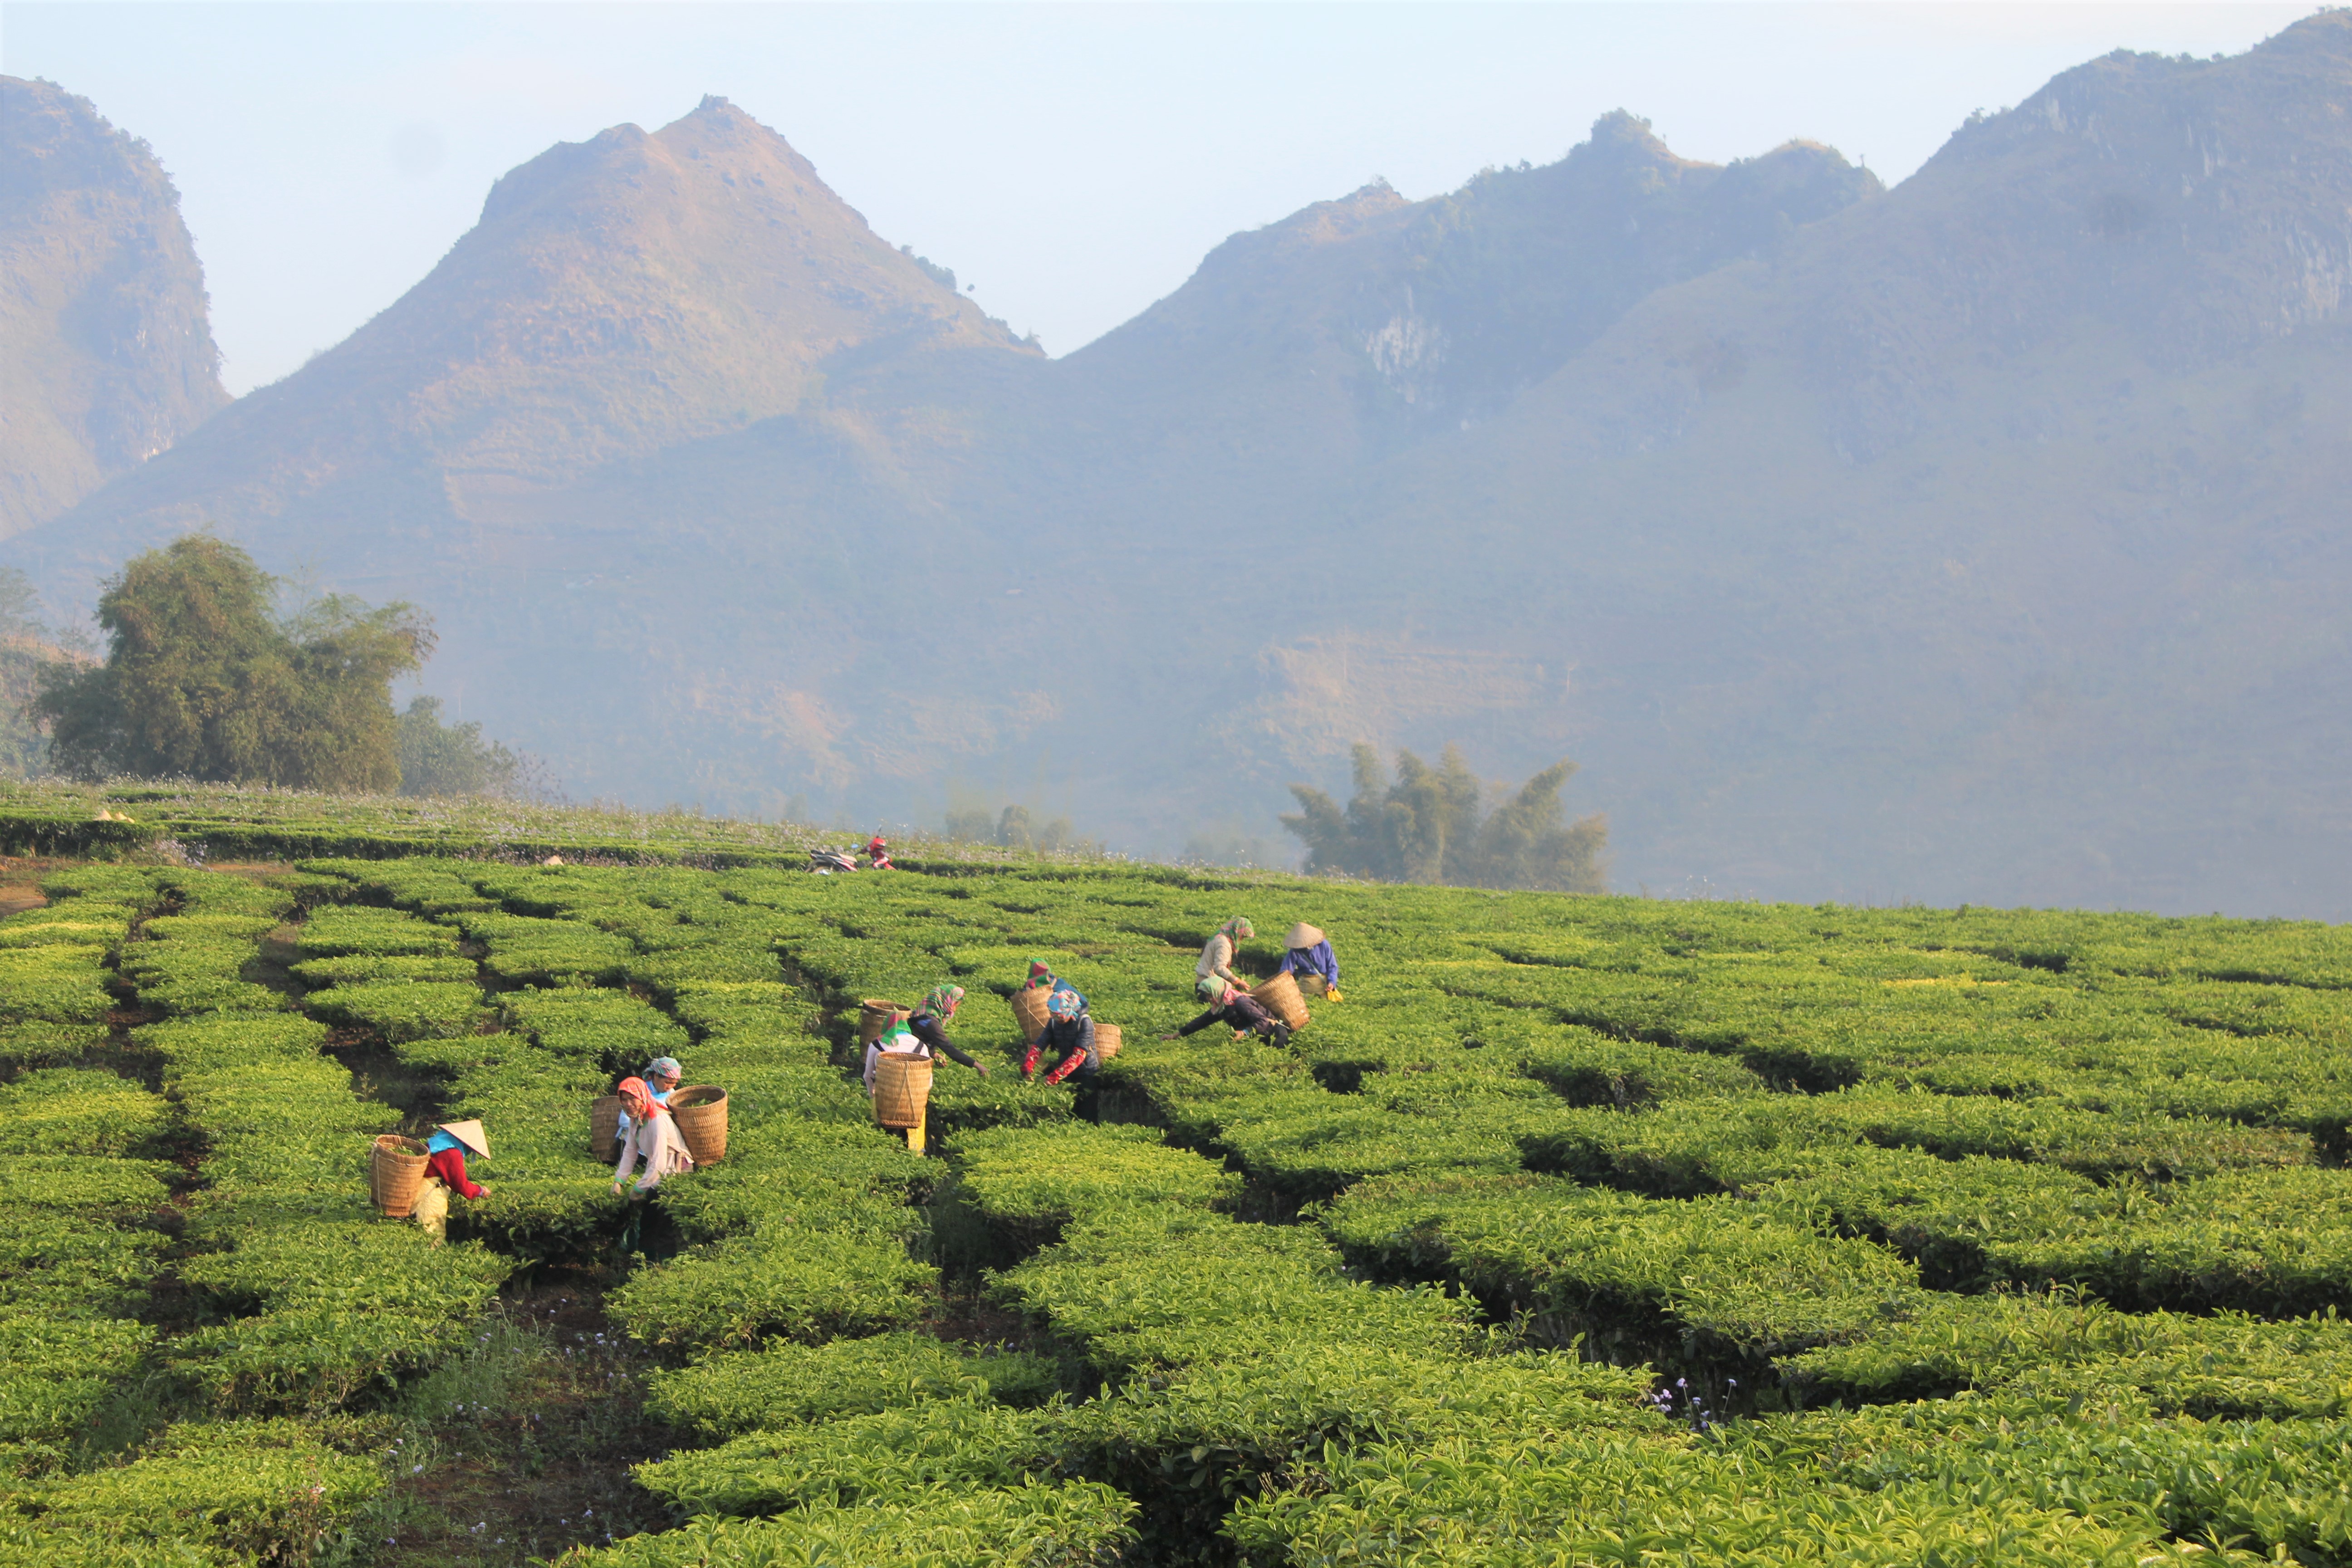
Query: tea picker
x=1236, y=1009
x=661, y=1076
x=898, y=1073
x=1042, y=978
x=1033, y=1005
x=1308, y=957
x=1217, y=953
x=928, y=1026
x=652, y=1139
x=1070, y=1029
x=445, y=1151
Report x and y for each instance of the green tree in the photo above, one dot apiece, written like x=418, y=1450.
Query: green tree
x=451, y=759
x=202, y=680
x=1424, y=827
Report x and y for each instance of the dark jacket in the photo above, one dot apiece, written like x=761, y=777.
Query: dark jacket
x=1075, y=1039
x=1244, y=1013
x=928, y=1030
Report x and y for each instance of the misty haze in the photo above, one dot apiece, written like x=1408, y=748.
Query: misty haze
x=1560, y=858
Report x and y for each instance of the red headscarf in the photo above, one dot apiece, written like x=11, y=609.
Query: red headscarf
x=639, y=1100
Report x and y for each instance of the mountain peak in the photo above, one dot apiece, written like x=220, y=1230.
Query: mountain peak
x=105, y=345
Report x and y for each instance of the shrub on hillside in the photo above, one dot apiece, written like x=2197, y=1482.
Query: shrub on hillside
x=1425, y=828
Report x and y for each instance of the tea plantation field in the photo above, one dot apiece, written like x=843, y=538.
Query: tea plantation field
x=1584, y=1231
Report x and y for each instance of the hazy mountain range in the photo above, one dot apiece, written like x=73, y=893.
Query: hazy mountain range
x=1982, y=539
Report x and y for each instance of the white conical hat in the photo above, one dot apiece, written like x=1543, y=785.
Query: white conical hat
x=470, y=1134
x=1302, y=935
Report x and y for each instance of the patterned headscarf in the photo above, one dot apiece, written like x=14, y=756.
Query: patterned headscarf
x=942, y=1002
x=1238, y=929
x=663, y=1066
x=1038, y=974
x=1210, y=990
x=1063, y=1004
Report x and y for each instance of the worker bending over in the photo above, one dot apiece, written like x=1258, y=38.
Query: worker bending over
x=1308, y=956
x=1236, y=1009
x=444, y=1156
x=1070, y=1029
x=925, y=1033
x=1217, y=953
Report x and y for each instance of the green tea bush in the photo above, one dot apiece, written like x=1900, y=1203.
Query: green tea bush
x=613, y=1030
x=960, y=1443
x=326, y=1302
x=319, y=974
x=1015, y=1189
x=2059, y=1345
x=69, y=1110
x=363, y=932
x=1715, y=1273
x=405, y=1010
x=776, y=1283
x=56, y=983
x=785, y=1383
x=248, y=1491
x=1075, y=1524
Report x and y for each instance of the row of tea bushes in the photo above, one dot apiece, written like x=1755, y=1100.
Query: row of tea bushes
x=2272, y=1241
x=321, y=1300
x=1224, y=1354
x=803, y=1232
x=1076, y=1524
x=550, y=1198
x=77, y=1250
x=2007, y=1481
x=225, y=1492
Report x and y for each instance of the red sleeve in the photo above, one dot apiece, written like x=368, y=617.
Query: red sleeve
x=1063, y=1068
x=449, y=1164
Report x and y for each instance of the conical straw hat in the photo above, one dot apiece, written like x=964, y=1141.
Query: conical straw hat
x=470, y=1134
x=1302, y=935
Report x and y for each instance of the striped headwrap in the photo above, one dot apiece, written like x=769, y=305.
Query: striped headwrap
x=1238, y=929
x=942, y=1002
x=1038, y=974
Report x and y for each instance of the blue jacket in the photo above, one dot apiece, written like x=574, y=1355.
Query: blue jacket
x=1316, y=959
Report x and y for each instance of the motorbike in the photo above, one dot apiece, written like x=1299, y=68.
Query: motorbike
x=825, y=862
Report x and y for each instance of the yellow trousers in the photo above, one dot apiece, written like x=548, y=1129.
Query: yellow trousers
x=915, y=1133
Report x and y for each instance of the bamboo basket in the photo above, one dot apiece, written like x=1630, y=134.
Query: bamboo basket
x=1106, y=1039
x=875, y=1016
x=1029, y=1012
x=902, y=1089
x=605, y=1126
x=1280, y=997
x=395, y=1172
x=700, y=1113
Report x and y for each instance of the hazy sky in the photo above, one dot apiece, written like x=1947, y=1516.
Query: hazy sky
x=1075, y=162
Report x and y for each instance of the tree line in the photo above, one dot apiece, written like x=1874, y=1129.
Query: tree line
x=203, y=678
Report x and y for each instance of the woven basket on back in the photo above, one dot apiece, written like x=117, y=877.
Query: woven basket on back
x=395, y=1171
x=700, y=1113
x=1106, y=1039
x=1029, y=1012
x=605, y=1126
x=875, y=1016
x=1280, y=997
x=902, y=1088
